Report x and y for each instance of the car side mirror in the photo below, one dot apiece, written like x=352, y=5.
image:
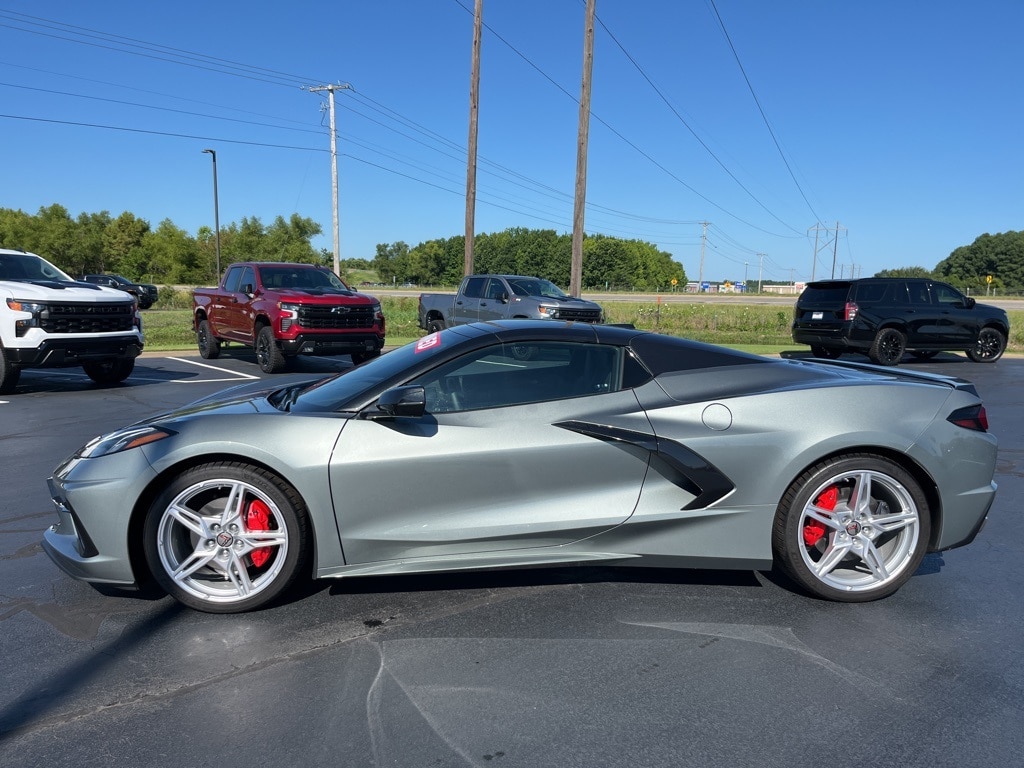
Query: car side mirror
x=247, y=289
x=969, y=302
x=409, y=401
x=504, y=297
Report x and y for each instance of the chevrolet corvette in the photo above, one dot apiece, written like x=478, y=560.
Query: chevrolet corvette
x=519, y=444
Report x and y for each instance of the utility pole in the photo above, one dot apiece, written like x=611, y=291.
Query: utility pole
x=334, y=167
x=820, y=245
x=835, y=250
x=760, y=270
x=582, y=139
x=703, y=240
x=474, y=108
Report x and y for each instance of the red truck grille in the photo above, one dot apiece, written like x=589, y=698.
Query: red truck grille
x=88, y=318
x=331, y=318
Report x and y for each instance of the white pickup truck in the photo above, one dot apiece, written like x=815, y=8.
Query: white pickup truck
x=49, y=320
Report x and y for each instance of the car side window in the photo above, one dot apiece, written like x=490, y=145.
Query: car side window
x=515, y=374
x=248, y=278
x=231, y=282
x=919, y=294
x=947, y=294
x=474, y=287
x=495, y=289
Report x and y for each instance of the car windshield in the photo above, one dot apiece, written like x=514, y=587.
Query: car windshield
x=334, y=393
x=285, y=277
x=532, y=286
x=27, y=267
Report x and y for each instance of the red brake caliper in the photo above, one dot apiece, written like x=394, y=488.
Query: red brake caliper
x=257, y=518
x=814, y=530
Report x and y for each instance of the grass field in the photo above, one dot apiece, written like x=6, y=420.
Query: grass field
x=755, y=327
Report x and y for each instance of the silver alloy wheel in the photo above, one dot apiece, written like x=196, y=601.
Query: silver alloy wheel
x=206, y=548
x=869, y=536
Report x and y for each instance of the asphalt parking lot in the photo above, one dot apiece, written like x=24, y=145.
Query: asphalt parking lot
x=591, y=667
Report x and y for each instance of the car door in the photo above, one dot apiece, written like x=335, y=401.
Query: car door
x=467, y=300
x=495, y=464
x=237, y=310
x=494, y=304
x=957, y=323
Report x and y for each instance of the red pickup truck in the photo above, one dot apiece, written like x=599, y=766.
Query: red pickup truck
x=284, y=310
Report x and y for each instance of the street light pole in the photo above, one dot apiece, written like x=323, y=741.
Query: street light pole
x=216, y=208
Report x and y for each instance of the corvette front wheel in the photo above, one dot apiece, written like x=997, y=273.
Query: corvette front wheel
x=226, y=537
x=852, y=528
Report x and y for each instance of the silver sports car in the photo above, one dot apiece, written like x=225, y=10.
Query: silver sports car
x=516, y=444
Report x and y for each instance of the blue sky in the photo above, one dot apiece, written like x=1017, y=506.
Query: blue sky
x=898, y=121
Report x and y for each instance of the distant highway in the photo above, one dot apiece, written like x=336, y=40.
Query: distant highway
x=682, y=298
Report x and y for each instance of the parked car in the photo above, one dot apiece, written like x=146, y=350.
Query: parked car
x=144, y=292
x=283, y=310
x=48, y=320
x=885, y=317
x=502, y=297
x=606, y=445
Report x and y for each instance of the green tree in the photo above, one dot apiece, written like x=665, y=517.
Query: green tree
x=392, y=261
x=122, y=246
x=174, y=255
x=905, y=272
x=1000, y=255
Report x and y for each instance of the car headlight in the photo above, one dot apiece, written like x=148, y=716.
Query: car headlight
x=551, y=312
x=123, y=440
x=26, y=306
x=289, y=314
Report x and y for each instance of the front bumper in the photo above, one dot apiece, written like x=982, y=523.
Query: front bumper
x=68, y=353
x=94, y=499
x=332, y=343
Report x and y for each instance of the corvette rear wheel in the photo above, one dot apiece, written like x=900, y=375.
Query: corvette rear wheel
x=852, y=529
x=226, y=537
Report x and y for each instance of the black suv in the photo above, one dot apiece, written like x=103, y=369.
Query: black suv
x=144, y=292
x=883, y=317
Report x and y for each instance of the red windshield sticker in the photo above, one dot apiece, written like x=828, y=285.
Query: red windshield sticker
x=428, y=342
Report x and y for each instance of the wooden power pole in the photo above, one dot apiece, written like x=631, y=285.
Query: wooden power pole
x=576, y=277
x=474, y=108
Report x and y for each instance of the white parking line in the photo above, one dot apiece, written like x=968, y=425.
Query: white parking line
x=235, y=375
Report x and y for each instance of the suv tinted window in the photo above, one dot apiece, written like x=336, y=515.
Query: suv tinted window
x=825, y=293
x=873, y=293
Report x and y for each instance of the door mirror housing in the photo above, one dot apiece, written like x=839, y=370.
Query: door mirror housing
x=409, y=401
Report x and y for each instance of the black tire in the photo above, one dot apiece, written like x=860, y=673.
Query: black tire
x=221, y=560
x=268, y=355
x=854, y=553
x=990, y=347
x=9, y=374
x=209, y=345
x=828, y=353
x=435, y=326
x=888, y=347
x=923, y=354
x=109, y=372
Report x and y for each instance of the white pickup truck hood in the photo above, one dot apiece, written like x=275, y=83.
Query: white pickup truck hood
x=53, y=290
